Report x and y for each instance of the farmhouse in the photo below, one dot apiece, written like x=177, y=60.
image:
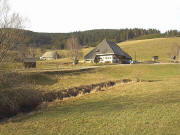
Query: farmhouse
x=108, y=52
x=50, y=56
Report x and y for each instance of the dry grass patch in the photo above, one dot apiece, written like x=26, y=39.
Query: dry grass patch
x=135, y=108
x=145, y=49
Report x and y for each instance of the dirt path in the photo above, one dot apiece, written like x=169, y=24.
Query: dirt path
x=76, y=69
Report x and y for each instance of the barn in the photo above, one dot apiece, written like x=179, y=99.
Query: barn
x=108, y=52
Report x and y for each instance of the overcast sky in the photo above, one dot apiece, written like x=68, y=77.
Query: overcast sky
x=79, y=15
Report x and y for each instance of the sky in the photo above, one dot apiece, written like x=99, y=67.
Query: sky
x=79, y=15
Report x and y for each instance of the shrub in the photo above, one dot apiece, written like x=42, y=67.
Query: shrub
x=17, y=94
x=20, y=100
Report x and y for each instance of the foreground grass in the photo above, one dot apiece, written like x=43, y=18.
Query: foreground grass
x=57, y=81
x=54, y=80
x=146, y=108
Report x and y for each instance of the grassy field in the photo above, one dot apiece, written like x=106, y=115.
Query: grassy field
x=62, y=63
x=145, y=49
x=54, y=80
x=150, y=107
x=146, y=108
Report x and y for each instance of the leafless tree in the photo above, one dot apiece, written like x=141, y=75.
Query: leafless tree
x=74, y=48
x=175, y=49
x=10, y=29
x=175, y=52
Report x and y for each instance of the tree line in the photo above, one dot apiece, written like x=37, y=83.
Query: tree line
x=91, y=37
x=86, y=38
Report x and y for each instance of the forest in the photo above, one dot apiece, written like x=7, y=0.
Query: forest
x=86, y=38
x=92, y=37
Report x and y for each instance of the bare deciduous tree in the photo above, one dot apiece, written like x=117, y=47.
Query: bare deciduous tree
x=10, y=29
x=74, y=47
x=175, y=49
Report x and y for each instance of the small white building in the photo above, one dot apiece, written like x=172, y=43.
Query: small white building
x=50, y=56
x=108, y=52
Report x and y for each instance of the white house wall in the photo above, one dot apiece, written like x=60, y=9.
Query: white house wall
x=108, y=59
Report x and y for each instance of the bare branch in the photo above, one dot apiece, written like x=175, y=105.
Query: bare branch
x=10, y=29
x=74, y=47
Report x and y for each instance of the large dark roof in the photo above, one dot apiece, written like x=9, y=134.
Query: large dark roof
x=106, y=47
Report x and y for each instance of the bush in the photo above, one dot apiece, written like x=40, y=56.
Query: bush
x=17, y=94
x=19, y=100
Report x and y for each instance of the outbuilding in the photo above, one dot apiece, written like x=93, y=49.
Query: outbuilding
x=29, y=62
x=50, y=56
x=155, y=58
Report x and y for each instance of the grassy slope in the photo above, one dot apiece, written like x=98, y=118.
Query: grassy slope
x=63, y=63
x=138, y=108
x=57, y=81
x=145, y=49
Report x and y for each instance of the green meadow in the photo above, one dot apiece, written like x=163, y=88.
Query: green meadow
x=146, y=49
x=150, y=107
x=141, y=50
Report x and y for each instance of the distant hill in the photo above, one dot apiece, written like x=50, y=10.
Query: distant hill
x=145, y=49
x=88, y=38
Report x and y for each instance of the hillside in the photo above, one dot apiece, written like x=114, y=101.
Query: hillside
x=87, y=38
x=148, y=104
x=149, y=107
x=145, y=49
x=93, y=37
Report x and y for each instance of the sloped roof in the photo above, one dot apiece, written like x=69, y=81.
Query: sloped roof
x=29, y=59
x=52, y=54
x=106, y=47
